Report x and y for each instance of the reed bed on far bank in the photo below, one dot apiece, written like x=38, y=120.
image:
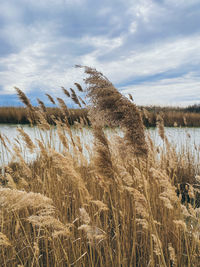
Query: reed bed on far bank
x=13, y=115
x=20, y=115
x=172, y=118
x=129, y=204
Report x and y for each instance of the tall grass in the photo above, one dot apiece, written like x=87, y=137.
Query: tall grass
x=19, y=115
x=177, y=118
x=129, y=204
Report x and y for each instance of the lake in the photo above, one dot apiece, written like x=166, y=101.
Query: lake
x=181, y=138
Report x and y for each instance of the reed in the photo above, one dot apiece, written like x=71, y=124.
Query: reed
x=128, y=204
x=116, y=110
x=19, y=115
x=171, y=118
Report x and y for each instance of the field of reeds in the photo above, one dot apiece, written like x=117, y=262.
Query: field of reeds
x=20, y=115
x=129, y=204
x=173, y=117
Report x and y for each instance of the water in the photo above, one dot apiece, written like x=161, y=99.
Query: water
x=181, y=138
x=49, y=138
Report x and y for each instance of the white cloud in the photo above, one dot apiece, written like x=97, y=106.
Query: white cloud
x=126, y=40
x=34, y=67
x=153, y=60
x=182, y=91
x=145, y=10
x=103, y=43
x=133, y=27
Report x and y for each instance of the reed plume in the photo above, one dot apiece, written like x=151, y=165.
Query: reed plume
x=4, y=240
x=65, y=91
x=75, y=98
x=160, y=125
x=79, y=87
x=130, y=96
x=13, y=200
x=31, y=114
x=64, y=164
x=50, y=98
x=24, y=99
x=26, y=139
x=82, y=101
x=42, y=105
x=49, y=221
x=102, y=161
x=2, y=139
x=63, y=107
x=94, y=234
x=116, y=110
x=42, y=122
x=62, y=136
x=172, y=255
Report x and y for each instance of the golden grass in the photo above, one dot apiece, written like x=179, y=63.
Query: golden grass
x=171, y=117
x=19, y=115
x=120, y=207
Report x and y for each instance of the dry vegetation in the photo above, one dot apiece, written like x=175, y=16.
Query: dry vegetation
x=129, y=204
x=20, y=115
x=172, y=117
x=185, y=117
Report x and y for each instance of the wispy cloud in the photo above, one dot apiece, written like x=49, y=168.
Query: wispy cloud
x=150, y=47
x=179, y=91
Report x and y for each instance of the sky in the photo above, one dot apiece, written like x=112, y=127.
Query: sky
x=148, y=48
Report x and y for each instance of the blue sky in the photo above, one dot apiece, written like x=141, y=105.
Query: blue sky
x=149, y=48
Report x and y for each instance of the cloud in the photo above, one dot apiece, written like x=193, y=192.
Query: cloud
x=147, y=44
x=32, y=68
x=158, y=58
x=178, y=91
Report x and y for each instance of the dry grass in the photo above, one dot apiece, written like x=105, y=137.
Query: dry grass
x=120, y=207
x=20, y=115
x=171, y=117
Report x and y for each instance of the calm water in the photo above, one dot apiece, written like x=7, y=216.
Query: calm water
x=179, y=137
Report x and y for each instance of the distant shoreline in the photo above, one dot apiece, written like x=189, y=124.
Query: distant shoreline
x=172, y=116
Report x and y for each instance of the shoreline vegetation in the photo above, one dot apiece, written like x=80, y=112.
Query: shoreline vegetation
x=172, y=116
x=130, y=204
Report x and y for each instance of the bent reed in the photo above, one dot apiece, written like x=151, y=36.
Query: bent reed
x=128, y=204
